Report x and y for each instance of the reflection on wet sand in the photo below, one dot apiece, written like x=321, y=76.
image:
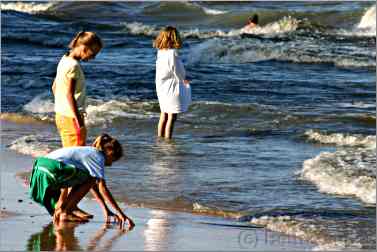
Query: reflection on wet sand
x=156, y=232
x=166, y=167
x=55, y=238
x=107, y=244
x=65, y=236
x=166, y=171
x=61, y=237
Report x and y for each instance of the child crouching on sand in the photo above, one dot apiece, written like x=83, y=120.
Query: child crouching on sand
x=82, y=168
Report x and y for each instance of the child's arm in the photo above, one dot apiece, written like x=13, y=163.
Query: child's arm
x=72, y=102
x=53, y=87
x=178, y=74
x=106, y=211
x=104, y=191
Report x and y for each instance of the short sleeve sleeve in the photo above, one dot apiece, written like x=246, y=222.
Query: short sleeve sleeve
x=95, y=164
x=73, y=72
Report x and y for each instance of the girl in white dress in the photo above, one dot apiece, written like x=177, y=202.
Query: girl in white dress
x=173, y=90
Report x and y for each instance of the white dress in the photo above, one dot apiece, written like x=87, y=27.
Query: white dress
x=173, y=95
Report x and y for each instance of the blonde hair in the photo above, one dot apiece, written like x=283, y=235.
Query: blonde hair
x=89, y=39
x=109, y=146
x=168, y=38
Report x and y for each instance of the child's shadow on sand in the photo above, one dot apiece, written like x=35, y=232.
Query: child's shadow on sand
x=61, y=237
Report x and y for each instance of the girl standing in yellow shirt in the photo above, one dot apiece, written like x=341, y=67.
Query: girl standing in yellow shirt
x=70, y=90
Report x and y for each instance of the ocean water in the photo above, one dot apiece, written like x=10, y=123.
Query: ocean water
x=282, y=128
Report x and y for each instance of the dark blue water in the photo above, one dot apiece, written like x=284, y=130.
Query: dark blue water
x=239, y=148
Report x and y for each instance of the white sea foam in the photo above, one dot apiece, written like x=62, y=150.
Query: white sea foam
x=236, y=51
x=206, y=10
x=213, y=11
x=137, y=28
x=349, y=62
x=41, y=107
x=208, y=34
x=357, y=105
x=366, y=26
x=98, y=112
x=349, y=172
x=369, y=19
x=41, y=104
x=27, y=7
x=342, y=139
x=33, y=145
x=337, y=246
x=106, y=112
x=284, y=25
x=310, y=230
x=243, y=51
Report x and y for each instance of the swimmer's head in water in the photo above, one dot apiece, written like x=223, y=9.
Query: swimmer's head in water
x=253, y=19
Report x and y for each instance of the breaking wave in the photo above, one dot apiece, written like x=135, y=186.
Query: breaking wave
x=207, y=10
x=318, y=231
x=347, y=171
x=368, y=22
x=100, y=112
x=137, y=28
x=27, y=7
x=33, y=145
x=284, y=25
x=261, y=49
x=341, y=139
x=106, y=112
x=41, y=107
x=365, y=28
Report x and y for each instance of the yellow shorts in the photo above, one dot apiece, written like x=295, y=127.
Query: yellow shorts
x=70, y=132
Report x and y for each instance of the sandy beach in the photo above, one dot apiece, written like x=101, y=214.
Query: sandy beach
x=31, y=227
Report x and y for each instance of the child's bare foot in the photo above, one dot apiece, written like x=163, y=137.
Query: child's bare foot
x=81, y=213
x=71, y=217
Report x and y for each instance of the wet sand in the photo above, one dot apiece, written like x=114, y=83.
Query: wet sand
x=24, y=225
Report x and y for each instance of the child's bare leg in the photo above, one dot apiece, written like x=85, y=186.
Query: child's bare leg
x=170, y=125
x=79, y=212
x=58, y=210
x=162, y=124
x=62, y=198
x=76, y=194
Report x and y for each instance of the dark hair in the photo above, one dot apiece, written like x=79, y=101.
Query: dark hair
x=254, y=19
x=109, y=146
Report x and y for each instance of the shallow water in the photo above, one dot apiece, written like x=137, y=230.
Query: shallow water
x=259, y=100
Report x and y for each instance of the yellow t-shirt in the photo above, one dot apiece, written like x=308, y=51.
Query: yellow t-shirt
x=69, y=68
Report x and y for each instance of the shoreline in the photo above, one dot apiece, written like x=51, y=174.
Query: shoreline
x=155, y=229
